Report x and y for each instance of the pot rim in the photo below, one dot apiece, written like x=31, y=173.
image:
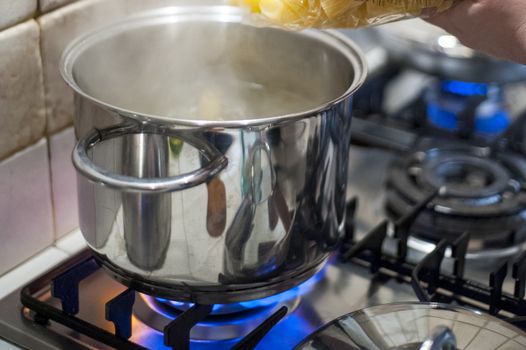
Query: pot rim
x=220, y=13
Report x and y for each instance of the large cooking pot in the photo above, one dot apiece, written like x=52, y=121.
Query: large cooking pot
x=211, y=155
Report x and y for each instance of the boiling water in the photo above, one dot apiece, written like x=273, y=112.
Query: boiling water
x=212, y=71
x=241, y=100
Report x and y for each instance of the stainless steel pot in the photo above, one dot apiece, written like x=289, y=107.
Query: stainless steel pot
x=233, y=200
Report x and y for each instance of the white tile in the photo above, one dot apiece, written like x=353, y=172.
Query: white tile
x=22, y=112
x=26, y=218
x=48, y=5
x=14, y=11
x=32, y=268
x=63, y=182
x=71, y=243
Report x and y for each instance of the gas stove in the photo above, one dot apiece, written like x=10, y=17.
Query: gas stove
x=78, y=305
x=334, y=289
x=436, y=188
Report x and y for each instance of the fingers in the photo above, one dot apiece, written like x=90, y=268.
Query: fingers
x=455, y=19
x=495, y=27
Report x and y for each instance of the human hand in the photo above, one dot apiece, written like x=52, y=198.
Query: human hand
x=495, y=27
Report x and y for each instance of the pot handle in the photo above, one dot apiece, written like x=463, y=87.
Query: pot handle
x=85, y=166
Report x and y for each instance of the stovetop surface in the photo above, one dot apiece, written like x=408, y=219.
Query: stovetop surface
x=341, y=288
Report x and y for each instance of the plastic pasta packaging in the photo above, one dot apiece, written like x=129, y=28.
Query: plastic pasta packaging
x=300, y=14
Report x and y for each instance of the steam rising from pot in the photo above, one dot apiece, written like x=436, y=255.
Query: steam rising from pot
x=183, y=69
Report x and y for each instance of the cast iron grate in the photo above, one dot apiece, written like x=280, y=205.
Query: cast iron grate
x=428, y=278
x=64, y=282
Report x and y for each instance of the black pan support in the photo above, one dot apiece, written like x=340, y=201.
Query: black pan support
x=65, y=281
x=428, y=279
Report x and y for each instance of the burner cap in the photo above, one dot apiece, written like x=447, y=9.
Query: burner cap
x=481, y=193
x=465, y=176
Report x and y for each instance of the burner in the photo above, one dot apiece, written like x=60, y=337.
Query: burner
x=227, y=321
x=467, y=108
x=481, y=193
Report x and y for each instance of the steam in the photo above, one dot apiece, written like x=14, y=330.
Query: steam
x=211, y=70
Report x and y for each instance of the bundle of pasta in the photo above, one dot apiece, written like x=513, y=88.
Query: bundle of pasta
x=299, y=14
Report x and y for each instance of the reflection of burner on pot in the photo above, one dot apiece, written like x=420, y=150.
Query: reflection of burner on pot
x=482, y=193
x=227, y=321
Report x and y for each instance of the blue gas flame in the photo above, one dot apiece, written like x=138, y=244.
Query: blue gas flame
x=446, y=104
x=258, y=303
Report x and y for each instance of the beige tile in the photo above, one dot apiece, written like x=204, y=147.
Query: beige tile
x=14, y=11
x=25, y=205
x=60, y=27
x=72, y=243
x=32, y=268
x=63, y=182
x=48, y=5
x=22, y=112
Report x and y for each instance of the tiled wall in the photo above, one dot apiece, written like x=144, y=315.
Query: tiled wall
x=37, y=181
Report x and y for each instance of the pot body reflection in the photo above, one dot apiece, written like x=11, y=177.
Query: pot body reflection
x=279, y=209
x=212, y=211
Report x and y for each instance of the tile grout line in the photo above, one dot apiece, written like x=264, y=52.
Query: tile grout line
x=46, y=132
